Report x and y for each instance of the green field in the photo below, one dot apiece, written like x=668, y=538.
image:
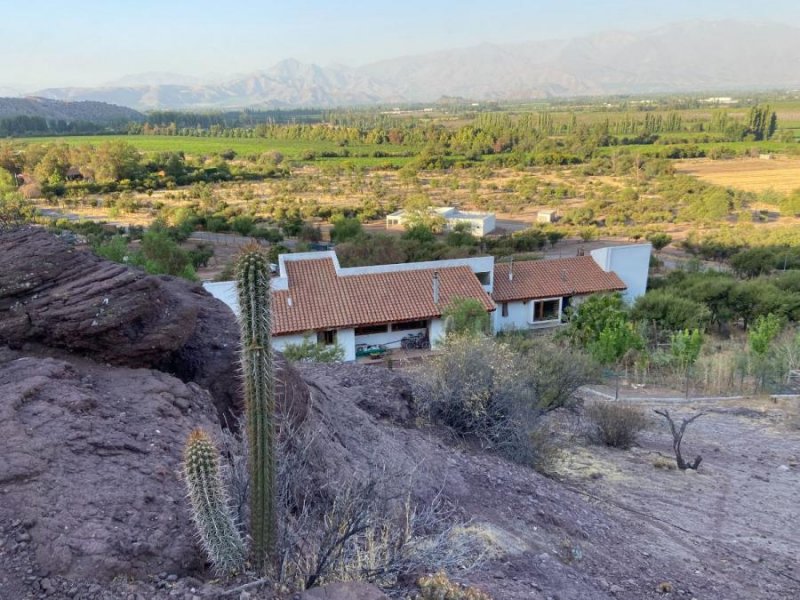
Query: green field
x=739, y=147
x=361, y=154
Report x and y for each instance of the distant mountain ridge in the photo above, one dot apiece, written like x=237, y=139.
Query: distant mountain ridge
x=100, y=113
x=691, y=56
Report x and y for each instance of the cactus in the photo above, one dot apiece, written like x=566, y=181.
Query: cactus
x=252, y=283
x=210, y=507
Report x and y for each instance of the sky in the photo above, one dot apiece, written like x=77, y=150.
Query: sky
x=92, y=42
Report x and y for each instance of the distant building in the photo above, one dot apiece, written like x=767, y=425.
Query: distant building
x=546, y=216
x=720, y=100
x=481, y=223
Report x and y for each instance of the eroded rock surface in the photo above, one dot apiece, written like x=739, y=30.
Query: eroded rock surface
x=55, y=295
x=91, y=461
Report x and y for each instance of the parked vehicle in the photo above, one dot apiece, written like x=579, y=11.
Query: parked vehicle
x=415, y=341
x=371, y=350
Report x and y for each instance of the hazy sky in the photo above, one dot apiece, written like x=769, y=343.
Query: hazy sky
x=88, y=42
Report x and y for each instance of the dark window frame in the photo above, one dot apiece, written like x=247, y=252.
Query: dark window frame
x=409, y=325
x=372, y=329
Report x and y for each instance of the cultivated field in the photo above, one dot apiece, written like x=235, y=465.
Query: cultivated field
x=359, y=154
x=749, y=174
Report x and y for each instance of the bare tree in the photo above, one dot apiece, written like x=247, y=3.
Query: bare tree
x=677, y=438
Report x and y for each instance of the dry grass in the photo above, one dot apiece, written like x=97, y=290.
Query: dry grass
x=749, y=174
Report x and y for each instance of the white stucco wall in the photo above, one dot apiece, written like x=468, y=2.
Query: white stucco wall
x=225, y=291
x=390, y=339
x=280, y=342
x=631, y=263
x=436, y=332
x=519, y=314
x=346, y=338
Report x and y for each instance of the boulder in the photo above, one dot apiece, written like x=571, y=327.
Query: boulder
x=55, y=295
x=91, y=465
x=344, y=591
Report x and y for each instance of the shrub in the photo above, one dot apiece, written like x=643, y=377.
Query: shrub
x=466, y=316
x=439, y=587
x=552, y=370
x=310, y=351
x=477, y=386
x=615, y=424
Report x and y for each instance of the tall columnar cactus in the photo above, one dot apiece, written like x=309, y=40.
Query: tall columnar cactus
x=210, y=507
x=252, y=283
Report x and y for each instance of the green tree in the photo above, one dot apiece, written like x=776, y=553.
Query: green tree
x=761, y=335
x=346, y=229
x=659, y=240
x=685, y=349
x=670, y=311
x=593, y=316
x=461, y=235
x=614, y=341
x=15, y=211
x=760, y=338
x=160, y=254
x=7, y=183
x=466, y=316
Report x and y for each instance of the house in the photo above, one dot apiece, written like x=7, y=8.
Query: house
x=74, y=174
x=536, y=294
x=480, y=223
x=350, y=307
x=389, y=305
x=546, y=216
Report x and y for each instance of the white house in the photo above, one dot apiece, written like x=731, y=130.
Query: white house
x=350, y=307
x=481, y=223
x=384, y=304
x=536, y=294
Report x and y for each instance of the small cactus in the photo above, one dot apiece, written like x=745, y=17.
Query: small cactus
x=210, y=507
x=252, y=283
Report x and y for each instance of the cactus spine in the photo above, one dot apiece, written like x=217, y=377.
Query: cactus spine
x=252, y=283
x=210, y=507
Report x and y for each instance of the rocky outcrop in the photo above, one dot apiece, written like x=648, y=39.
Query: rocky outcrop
x=344, y=591
x=56, y=295
x=91, y=460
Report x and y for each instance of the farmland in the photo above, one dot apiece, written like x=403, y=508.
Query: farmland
x=749, y=174
x=611, y=170
x=360, y=154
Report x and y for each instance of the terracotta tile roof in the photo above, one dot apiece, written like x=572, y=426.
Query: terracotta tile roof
x=321, y=299
x=553, y=278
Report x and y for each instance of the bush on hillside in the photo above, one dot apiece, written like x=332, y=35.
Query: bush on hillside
x=615, y=424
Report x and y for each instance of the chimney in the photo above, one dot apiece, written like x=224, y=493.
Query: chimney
x=511, y=270
x=436, y=287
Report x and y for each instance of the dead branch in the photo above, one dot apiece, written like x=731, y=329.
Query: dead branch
x=677, y=438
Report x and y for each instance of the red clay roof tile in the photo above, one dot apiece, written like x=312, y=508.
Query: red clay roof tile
x=552, y=278
x=318, y=298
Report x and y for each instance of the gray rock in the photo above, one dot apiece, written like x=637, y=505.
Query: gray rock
x=344, y=591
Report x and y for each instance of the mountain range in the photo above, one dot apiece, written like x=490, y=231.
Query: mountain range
x=682, y=57
x=99, y=113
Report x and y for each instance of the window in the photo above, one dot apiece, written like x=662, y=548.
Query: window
x=408, y=325
x=327, y=337
x=484, y=277
x=546, y=310
x=504, y=308
x=368, y=329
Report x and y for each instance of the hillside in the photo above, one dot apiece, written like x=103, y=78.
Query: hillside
x=104, y=370
x=97, y=112
x=691, y=56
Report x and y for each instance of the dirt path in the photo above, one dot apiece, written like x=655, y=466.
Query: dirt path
x=729, y=531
